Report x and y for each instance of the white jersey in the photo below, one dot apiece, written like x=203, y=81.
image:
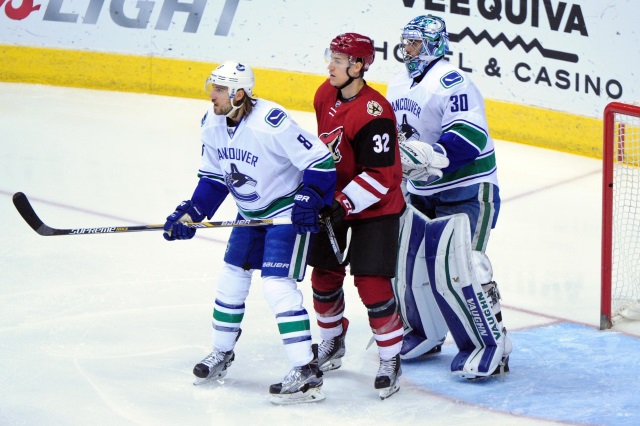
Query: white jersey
x=446, y=100
x=262, y=161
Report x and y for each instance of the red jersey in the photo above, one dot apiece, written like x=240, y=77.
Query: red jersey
x=361, y=134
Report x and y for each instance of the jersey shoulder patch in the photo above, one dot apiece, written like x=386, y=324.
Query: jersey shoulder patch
x=275, y=117
x=451, y=79
x=374, y=108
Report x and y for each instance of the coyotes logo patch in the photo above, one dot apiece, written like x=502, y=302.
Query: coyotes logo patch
x=374, y=108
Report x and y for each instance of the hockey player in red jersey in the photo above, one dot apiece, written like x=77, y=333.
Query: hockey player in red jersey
x=358, y=125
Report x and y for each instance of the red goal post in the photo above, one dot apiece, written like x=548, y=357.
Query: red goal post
x=620, y=272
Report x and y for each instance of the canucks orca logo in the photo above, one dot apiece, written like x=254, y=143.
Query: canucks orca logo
x=237, y=183
x=406, y=131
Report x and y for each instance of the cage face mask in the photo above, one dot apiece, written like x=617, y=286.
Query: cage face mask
x=423, y=40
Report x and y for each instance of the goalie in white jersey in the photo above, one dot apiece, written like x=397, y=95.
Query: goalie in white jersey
x=273, y=168
x=450, y=168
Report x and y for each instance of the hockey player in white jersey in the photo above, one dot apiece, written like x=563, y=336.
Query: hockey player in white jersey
x=273, y=168
x=450, y=165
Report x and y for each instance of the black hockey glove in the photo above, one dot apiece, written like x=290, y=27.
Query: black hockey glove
x=340, y=207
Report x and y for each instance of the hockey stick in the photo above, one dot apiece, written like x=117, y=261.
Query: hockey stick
x=29, y=215
x=340, y=255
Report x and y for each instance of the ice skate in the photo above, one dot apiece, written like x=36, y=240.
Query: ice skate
x=500, y=371
x=503, y=368
x=330, y=352
x=387, y=377
x=213, y=367
x=301, y=384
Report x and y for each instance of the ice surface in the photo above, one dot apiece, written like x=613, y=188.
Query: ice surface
x=105, y=329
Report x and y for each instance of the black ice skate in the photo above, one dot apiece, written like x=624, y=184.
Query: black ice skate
x=302, y=384
x=331, y=351
x=387, y=377
x=213, y=367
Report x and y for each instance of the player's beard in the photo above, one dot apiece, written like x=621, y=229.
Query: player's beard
x=222, y=110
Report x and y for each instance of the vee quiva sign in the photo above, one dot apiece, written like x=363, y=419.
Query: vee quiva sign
x=551, y=53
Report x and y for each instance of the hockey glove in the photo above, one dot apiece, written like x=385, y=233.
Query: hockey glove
x=340, y=207
x=305, y=215
x=421, y=161
x=175, y=229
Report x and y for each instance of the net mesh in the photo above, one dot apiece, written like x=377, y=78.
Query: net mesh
x=625, y=268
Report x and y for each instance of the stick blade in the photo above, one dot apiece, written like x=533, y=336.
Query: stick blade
x=28, y=214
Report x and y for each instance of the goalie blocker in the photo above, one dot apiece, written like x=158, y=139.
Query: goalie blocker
x=438, y=290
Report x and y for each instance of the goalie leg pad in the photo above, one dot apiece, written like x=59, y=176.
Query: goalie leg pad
x=424, y=327
x=484, y=274
x=462, y=301
x=493, y=295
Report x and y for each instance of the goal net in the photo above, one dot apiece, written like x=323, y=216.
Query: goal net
x=620, y=292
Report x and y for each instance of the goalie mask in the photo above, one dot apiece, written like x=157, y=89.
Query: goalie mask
x=233, y=75
x=423, y=40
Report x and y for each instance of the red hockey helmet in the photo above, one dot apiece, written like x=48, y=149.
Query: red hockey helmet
x=356, y=46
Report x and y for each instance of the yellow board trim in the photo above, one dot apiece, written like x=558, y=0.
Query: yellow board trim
x=172, y=77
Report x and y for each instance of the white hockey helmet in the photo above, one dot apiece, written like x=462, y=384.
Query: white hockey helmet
x=233, y=75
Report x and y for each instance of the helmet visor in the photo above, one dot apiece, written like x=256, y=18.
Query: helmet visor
x=338, y=59
x=212, y=84
x=209, y=84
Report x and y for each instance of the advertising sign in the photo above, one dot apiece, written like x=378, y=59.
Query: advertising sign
x=569, y=56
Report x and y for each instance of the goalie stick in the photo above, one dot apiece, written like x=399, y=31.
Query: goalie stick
x=29, y=215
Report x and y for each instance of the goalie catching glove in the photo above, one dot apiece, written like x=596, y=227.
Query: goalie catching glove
x=421, y=161
x=175, y=229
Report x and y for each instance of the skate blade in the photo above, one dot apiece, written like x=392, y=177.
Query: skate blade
x=216, y=378
x=500, y=372
x=311, y=395
x=371, y=341
x=387, y=392
x=334, y=364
